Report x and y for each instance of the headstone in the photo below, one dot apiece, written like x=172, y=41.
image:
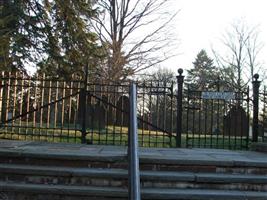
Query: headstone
x=108, y=109
x=95, y=113
x=236, y=122
x=122, y=111
x=99, y=114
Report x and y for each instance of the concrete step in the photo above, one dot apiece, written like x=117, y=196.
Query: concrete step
x=259, y=146
x=118, y=160
x=119, y=178
x=204, y=181
x=41, y=191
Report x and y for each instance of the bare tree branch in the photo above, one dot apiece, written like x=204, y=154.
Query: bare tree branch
x=242, y=47
x=136, y=34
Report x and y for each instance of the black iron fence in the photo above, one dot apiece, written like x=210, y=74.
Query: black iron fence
x=39, y=108
x=169, y=114
x=215, y=119
x=50, y=109
x=262, y=129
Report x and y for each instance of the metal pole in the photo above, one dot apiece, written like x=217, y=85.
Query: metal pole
x=134, y=176
x=255, y=125
x=84, y=104
x=180, y=81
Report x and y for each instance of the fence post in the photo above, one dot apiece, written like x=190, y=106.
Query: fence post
x=134, y=176
x=180, y=81
x=255, y=125
x=84, y=105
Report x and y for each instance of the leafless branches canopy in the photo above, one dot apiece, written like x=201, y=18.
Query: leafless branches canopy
x=242, y=58
x=136, y=35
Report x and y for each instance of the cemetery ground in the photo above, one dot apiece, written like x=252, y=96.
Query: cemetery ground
x=118, y=135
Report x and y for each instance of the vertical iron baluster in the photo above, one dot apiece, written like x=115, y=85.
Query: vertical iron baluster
x=205, y=122
x=263, y=111
x=28, y=104
x=42, y=103
x=55, y=133
x=115, y=89
x=171, y=114
x=48, y=110
x=21, y=103
x=14, y=99
x=121, y=124
x=92, y=104
x=248, y=118
x=70, y=107
x=229, y=127
x=157, y=113
x=193, y=128
x=236, y=120
x=100, y=106
x=143, y=112
x=63, y=111
x=3, y=100
x=241, y=124
x=107, y=115
x=164, y=113
x=211, y=124
x=224, y=128
x=217, y=125
x=36, y=82
x=7, y=103
x=76, y=115
x=187, y=116
x=199, y=119
x=151, y=113
x=1, y=97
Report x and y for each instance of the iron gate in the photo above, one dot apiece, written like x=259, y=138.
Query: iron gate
x=214, y=119
x=107, y=113
x=75, y=110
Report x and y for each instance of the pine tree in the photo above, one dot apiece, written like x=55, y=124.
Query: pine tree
x=21, y=34
x=204, y=74
x=71, y=43
x=54, y=36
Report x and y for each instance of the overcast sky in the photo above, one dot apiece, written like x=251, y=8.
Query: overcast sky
x=201, y=23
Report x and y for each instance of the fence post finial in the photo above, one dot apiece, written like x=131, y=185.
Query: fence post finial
x=255, y=125
x=180, y=81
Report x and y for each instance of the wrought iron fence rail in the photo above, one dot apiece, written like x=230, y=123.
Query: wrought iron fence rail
x=100, y=112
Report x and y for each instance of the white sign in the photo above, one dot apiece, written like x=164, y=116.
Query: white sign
x=218, y=95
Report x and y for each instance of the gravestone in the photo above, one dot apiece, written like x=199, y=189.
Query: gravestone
x=95, y=115
x=106, y=103
x=122, y=111
x=236, y=122
x=99, y=116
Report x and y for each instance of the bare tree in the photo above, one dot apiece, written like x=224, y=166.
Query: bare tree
x=254, y=48
x=136, y=35
x=242, y=50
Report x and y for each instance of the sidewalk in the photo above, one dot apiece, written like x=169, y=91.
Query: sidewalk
x=113, y=153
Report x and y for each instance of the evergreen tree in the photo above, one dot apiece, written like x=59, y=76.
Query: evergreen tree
x=204, y=74
x=71, y=43
x=21, y=33
x=54, y=36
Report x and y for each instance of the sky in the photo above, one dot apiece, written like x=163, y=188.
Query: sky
x=200, y=24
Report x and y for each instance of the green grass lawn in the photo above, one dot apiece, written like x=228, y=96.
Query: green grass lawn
x=115, y=135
